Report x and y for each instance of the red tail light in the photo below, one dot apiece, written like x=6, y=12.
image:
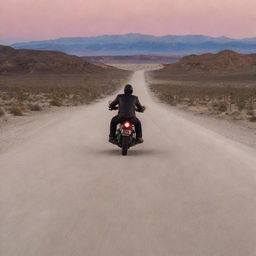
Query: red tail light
x=127, y=124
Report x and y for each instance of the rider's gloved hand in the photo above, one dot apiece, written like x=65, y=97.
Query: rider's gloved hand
x=143, y=109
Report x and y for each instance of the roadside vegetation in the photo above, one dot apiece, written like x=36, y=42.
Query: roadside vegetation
x=221, y=84
x=20, y=94
x=32, y=80
x=230, y=96
x=1, y=112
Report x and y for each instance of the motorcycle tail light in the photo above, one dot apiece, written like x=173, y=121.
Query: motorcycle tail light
x=127, y=124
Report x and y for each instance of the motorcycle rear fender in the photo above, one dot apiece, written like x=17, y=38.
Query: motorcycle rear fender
x=126, y=132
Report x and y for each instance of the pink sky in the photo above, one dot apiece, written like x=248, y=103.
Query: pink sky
x=43, y=19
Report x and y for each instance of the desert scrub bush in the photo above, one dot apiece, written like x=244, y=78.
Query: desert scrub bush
x=58, y=90
x=16, y=111
x=191, y=103
x=236, y=115
x=222, y=107
x=34, y=107
x=250, y=112
x=1, y=112
x=56, y=102
x=240, y=104
x=252, y=119
x=169, y=99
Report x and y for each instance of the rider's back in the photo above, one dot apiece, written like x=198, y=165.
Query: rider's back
x=127, y=105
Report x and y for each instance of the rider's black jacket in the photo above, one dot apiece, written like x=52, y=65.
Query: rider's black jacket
x=127, y=104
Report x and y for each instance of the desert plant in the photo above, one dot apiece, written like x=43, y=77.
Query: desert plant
x=241, y=104
x=222, y=107
x=252, y=119
x=16, y=111
x=57, y=90
x=1, y=112
x=219, y=106
x=56, y=102
x=250, y=112
x=34, y=107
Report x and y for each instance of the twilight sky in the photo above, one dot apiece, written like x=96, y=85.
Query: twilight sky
x=22, y=20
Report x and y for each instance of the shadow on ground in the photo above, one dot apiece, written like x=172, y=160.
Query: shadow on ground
x=131, y=152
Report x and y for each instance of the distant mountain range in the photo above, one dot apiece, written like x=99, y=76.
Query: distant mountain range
x=134, y=44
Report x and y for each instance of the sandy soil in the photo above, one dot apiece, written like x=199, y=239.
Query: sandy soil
x=65, y=191
x=241, y=131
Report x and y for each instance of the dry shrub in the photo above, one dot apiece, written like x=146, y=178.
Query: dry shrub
x=218, y=106
x=236, y=115
x=34, y=107
x=220, y=93
x=16, y=111
x=241, y=104
x=222, y=107
x=1, y=112
x=58, y=89
x=56, y=102
x=250, y=112
x=252, y=119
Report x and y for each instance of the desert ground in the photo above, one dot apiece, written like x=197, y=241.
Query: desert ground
x=38, y=80
x=64, y=190
x=21, y=94
x=222, y=85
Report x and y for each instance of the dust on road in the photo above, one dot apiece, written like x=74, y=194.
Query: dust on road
x=186, y=191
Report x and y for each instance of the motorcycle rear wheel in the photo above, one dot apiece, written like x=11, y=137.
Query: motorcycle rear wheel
x=125, y=145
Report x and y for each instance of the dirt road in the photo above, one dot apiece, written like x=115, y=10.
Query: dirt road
x=186, y=191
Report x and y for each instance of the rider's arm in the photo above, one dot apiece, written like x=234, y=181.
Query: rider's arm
x=139, y=106
x=114, y=102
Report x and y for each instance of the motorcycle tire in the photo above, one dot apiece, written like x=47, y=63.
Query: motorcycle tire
x=125, y=145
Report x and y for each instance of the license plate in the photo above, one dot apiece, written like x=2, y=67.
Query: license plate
x=126, y=132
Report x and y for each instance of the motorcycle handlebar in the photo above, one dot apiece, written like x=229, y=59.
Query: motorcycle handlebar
x=116, y=108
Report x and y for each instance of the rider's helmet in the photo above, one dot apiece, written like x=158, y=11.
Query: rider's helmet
x=128, y=89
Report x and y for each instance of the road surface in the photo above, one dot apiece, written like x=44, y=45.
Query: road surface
x=65, y=191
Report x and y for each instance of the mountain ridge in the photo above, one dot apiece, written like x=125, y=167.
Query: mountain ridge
x=135, y=43
x=26, y=61
x=223, y=61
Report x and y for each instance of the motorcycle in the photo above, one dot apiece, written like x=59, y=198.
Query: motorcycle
x=125, y=135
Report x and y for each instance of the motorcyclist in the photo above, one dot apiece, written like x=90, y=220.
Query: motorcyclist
x=127, y=103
